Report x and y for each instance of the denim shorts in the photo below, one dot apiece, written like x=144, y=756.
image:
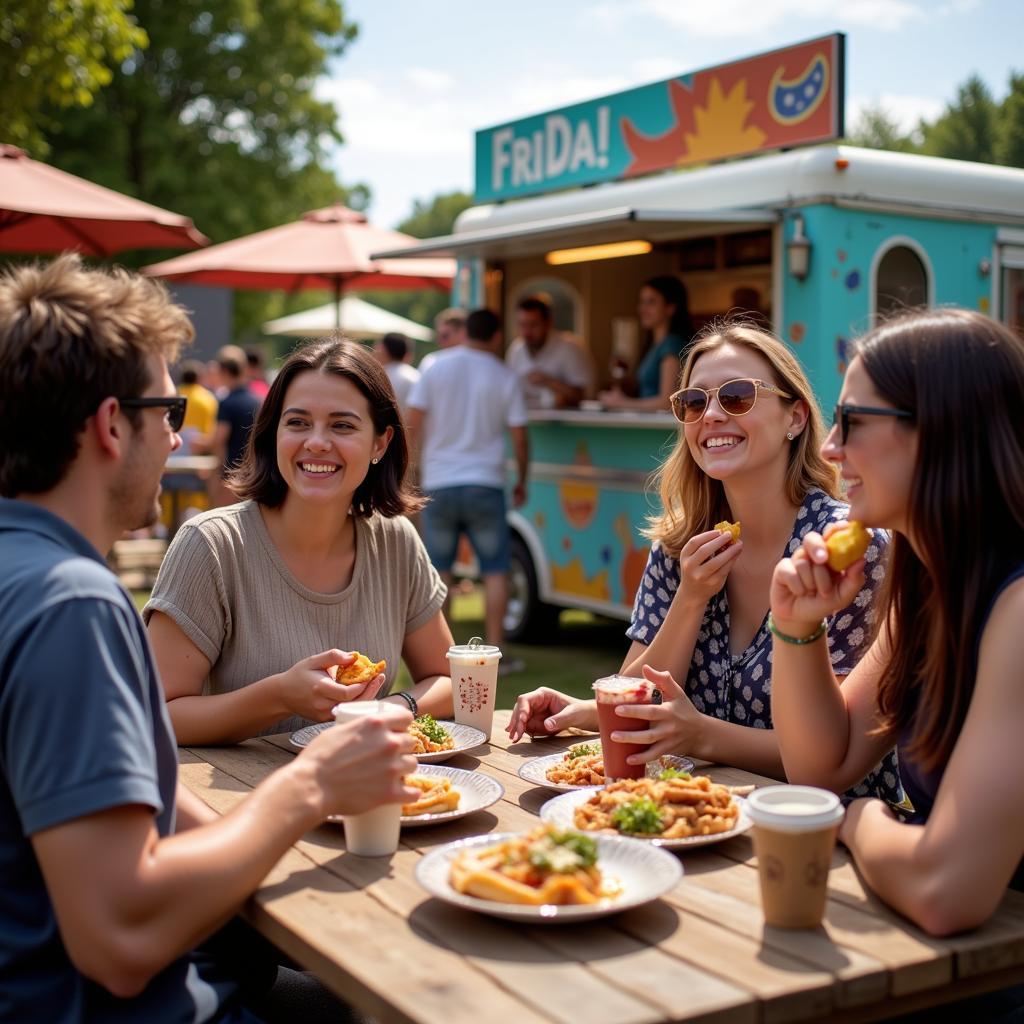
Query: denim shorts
x=478, y=512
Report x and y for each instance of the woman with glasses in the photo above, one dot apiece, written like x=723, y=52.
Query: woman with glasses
x=929, y=438
x=748, y=450
x=664, y=315
x=258, y=602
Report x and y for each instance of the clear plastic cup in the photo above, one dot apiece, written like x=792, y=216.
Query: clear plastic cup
x=610, y=692
x=373, y=833
x=474, y=671
x=794, y=834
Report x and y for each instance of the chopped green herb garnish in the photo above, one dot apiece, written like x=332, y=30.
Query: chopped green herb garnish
x=673, y=773
x=434, y=732
x=638, y=816
x=582, y=750
x=563, y=852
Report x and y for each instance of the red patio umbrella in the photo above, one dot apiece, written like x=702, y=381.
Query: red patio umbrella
x=43, y=209
x=328, y=248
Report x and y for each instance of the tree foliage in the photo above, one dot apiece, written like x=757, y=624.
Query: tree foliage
x=58, y=55
x=217, y=119
x=875, y=128
x=967, y=128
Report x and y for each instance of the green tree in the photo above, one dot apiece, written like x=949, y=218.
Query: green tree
x=217, y=119
x=877, y=129
x=1010, y=138
x=429, y=218
x=58, y=55
x=967, y=128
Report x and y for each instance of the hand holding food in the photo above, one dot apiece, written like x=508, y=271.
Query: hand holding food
x=544, y=712
x=704, y=563
x=733, y=529
x=359, y=670
x=545, y=866
x=309, y=688
x=846, y=545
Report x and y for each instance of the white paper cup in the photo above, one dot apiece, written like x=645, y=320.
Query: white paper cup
x=794, y=835
x=373, y=833
x=474, y=671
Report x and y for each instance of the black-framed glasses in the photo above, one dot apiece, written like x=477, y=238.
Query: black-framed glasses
x=736, y=397
x=175, y=407
x=842, y=413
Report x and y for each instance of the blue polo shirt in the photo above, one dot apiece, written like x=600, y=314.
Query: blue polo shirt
x=83, y=728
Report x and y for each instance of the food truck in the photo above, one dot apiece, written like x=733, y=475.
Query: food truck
x=820, y=241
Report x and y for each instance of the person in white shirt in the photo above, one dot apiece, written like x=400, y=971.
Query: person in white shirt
x=459, y=412
x=556, y=372
x=392, y=352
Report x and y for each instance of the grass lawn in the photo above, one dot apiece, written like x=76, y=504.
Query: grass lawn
x=584, y=648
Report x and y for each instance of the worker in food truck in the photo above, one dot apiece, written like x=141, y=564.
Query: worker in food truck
x=664, y=315
x=555, y=371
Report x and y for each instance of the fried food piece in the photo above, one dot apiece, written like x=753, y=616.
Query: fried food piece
x=541, y=867
x=362, y=670
x=429, y=735
x=584, y=770
x=675, y=808
x=437, y=795
x=846, y=545
x=731, y=528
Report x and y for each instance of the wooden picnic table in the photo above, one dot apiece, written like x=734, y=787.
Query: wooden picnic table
x=702, y=953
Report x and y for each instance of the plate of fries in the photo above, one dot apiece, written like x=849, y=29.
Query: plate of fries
x=676, y=813
x=582, y=767
x=448, y=794
x=462, y=737
x=618, y=874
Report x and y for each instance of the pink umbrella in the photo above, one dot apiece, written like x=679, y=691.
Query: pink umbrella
x=43, y=209
x=328, y=248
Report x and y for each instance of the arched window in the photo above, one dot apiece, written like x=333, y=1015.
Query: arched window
x=901, y=278
x=565, y=301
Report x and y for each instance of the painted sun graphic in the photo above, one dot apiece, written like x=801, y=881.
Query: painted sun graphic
x=721, y=127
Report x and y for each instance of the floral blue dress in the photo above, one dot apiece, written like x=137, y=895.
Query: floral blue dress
x=737, y=688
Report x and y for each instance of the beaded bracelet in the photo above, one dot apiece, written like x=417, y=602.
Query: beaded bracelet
x=798, y=640
x=410, y=700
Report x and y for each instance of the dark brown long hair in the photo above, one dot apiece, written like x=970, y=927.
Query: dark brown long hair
x=962, y=376
x=384, y=490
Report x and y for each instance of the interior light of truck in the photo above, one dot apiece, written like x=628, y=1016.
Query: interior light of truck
x=608, y=251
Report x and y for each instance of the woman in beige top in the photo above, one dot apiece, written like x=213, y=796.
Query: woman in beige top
x=255, y=602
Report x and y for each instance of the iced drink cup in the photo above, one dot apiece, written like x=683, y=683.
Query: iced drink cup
x=372, y=833
x=794, y=834
x=474, y=670
x=610, y=692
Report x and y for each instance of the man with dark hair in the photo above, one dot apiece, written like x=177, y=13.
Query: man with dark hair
x=112, y=871
x=556, y=372
x=235, y=417
x=392, y=351
x=459, y=413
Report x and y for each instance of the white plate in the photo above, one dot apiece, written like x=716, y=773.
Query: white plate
x=465, y=736
x=560, y=809
x=535, y=770
x=476, y=791
x=643, y=871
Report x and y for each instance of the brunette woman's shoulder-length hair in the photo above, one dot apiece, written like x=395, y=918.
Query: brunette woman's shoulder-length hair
x=961, y=375
x=384, y=490
x=691, y=501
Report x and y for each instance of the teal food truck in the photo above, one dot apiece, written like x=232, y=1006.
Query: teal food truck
x=820, y=241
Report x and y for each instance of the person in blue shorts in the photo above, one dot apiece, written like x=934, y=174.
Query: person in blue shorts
x=116, y=878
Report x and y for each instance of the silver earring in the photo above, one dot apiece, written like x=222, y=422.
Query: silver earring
x=789, y=436
x=375, y=460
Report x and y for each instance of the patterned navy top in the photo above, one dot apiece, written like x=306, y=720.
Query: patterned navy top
x=737, y=688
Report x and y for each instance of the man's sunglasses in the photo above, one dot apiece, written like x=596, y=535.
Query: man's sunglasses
x=842, y=413
x=736, y=397
x=175, y=408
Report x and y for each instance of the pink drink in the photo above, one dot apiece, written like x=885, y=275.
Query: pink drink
x=610, y=693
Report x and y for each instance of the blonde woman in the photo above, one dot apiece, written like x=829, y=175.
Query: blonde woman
x=748, y=451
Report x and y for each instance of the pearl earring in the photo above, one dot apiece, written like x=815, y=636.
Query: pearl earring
x=789, y=435
x=375, y=460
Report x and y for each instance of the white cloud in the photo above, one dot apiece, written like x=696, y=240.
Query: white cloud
x=430, y=80
x=654, y=69
x=741, y=18
x=906, y=111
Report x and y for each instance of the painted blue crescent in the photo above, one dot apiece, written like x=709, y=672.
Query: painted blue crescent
x=792, y=100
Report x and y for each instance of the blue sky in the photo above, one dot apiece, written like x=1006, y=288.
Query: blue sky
x=423, y=76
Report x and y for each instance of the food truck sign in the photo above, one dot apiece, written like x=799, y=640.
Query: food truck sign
x=788, y=97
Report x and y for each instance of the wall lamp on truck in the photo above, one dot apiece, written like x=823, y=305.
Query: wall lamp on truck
x=798, y=250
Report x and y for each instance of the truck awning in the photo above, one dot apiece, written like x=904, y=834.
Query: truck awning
x=612, y=225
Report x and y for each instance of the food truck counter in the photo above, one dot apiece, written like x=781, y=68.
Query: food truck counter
x=604, y=417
